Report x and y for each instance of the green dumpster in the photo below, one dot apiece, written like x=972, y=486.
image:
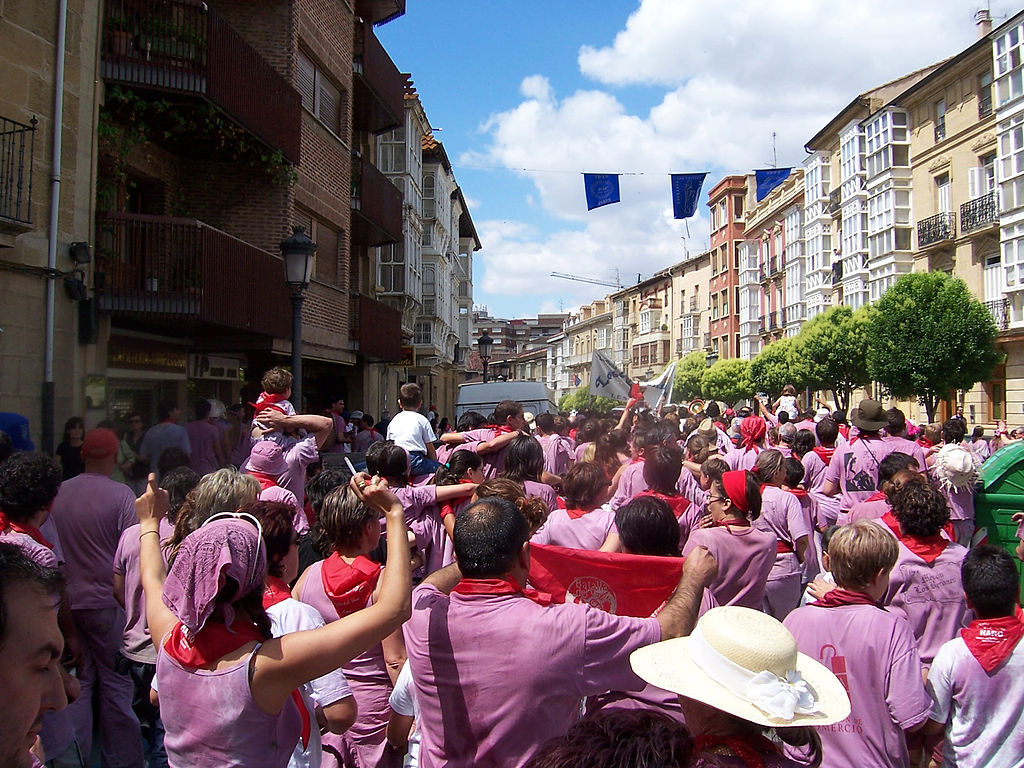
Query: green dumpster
x=1000, y=494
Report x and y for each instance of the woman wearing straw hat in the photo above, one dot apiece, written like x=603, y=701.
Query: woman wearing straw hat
x=740, y=679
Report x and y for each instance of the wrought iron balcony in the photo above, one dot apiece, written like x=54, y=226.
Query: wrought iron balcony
x=187, y=272
x=979, y=212
x=17, y=151
x=184, y=47
x=936, y=229
x=835, y=201
x=1000, y=309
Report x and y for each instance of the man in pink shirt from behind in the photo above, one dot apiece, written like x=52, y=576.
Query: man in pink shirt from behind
x=91, y=512
x=206, y=439
x=870, y=650
x=853, y=471
x=305, y=451
x=497, y=671
x=896, y=434
x=558, y=450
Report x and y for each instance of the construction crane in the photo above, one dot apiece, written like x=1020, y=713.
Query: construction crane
x=616, y=283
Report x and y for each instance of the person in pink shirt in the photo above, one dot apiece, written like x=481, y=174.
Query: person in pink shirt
x=893, y=468
x=630, y=478
x=794, y=484
x=225, y=490
x=955, y=469
x=585, y=437
x=745, y=554
x=508, y=420
x=925, y=586
x=896, y=434
x=662, y=469
x=91, y=512
x=266, y=463
x=497, y=671
x=558, y=450
x=853, y=471
x=206, y=439
x=870, y=650
x=304, y=451
x=587, y=520
x=977, y=679
x=367, y=435
x=524, y=463
x=752, y=434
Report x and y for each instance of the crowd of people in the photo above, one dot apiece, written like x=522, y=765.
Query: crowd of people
x=809, y=590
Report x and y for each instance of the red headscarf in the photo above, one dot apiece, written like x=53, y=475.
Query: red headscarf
x=734, y=483
x=752, y=431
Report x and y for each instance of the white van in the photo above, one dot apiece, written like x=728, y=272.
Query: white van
x=532, y=395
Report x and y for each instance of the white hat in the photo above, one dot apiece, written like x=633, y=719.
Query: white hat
x=955, y=467
x=822, y=413
x=745, y=663
x=355, y=415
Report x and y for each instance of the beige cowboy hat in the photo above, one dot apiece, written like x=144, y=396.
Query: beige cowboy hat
x=745, y=663
x=869, y=416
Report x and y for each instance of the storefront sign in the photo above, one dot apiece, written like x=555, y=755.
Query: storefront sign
x=407, y=360
x=128, y=352
x=213, y=367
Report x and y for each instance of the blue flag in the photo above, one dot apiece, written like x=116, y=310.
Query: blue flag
x=768, y=179
x=602, y=189
x=685, y=192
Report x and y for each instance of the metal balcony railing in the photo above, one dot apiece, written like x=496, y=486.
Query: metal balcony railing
x=936, y=229
x=979, y=212
x=1000, y=310
x=17, y=151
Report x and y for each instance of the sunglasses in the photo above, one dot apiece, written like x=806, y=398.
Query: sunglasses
x=235, y=516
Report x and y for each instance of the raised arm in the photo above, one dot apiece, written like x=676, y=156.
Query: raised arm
x=150, y=508
x=321, y=426
x=679, y=615
x=496, y=443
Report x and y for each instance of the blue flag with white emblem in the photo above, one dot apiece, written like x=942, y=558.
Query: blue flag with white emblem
x=685, y=193
x=768, y=179
x=601, y=188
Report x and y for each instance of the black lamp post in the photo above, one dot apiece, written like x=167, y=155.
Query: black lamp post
x=297, y=252
x=484, y=343
x=711, y=358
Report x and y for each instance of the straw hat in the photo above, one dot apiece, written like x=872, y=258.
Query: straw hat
x=955, y=467
x=707, y=429
x=738, y=656
x=869, y=416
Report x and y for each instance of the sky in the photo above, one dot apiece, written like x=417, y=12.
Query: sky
x=527, y=96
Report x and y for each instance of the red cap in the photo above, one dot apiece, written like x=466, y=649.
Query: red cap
x=99, y=444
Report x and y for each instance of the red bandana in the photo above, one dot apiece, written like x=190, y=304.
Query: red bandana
x=576, y=514
x=265, y=480
x=837, y=597
x=876, y=496
x=991, y=641
x=727, y=521
x=924, y=442
x=734, y=483
x=928, y=548
x=504, y=430
x=505, y=586
x=29, y=530
x=752, y=431
x=825, y=454
x=800, y=493
x=274, y=591
x=266, y=401
x=678, y=504
x=750, y=749
x=559, y=502
x=349, y=586
x=447, y=507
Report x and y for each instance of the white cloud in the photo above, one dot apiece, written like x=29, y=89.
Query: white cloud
x=732, y=74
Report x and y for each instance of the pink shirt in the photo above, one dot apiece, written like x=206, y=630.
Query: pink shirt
x=741, y=458
x=203, y=436
x=909, y=447
x=961, y=503
x=814, y=471
x=782, y=514
x=91, y=512
x=585, y=532
x=631, y=482
x=873, y=653
x=745, y=556
x=558, y=453
x=855, y=468
x=544, y=491
x=498, y=675
x=494, y=462
x=864, y=510
x=32, y=549
x=284, y=496
x=137, y=644
x=579, y=450
x=298, y=457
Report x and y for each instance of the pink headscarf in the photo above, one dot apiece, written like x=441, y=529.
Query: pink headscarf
x=208, y=557
x=752, y=431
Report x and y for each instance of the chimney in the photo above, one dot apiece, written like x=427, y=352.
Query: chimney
x=983, y=19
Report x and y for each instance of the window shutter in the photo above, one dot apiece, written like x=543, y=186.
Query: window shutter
x=330, y=104
x=305, y=77
x=973, y=183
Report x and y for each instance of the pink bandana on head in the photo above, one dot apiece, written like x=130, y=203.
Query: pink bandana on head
x=221, y=550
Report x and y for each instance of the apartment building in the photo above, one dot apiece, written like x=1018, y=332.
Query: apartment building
x=690, y=321
x=642, y=326
x=587, y=331
x=513, y=337
x=728, y=202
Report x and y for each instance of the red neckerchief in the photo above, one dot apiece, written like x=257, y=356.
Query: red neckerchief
x=837, y=597
x=504, y=586
x=446, y=506
x=637, y=460
x=349, y=586
x=727, y=521
x=274, y=591
x=825, y=454
x=576, y=514
x=29, y=530
x=876, y=496
x=265, y=401
x=800, y=493
x=678, y=504
x=504, y=430
x=750, y=748
x=844, y=430
x=559, y=502
x=928, y=548
x=924, y=442
x=991, y=641
x=265, y=480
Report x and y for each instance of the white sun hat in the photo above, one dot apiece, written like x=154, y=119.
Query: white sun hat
x=745, y=663
x=955, y=467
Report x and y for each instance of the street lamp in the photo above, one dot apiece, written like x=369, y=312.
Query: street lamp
x=711, y=358
x=297, y=252
x=649, y=373
x=484, y=343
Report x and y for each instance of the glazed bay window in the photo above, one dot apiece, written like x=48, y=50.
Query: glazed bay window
x=423, y=332
x=1009, y=75
x=391, y=268
x=391, y=151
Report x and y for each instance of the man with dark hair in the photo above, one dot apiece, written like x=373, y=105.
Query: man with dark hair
x=491, y=441
x=497, y=671
x=31, y=677
x=558, y=449
x=896, y=434
x=166, y=434
x=977, y=679
x=647, y=526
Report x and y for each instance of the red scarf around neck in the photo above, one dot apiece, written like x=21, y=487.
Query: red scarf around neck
x=991, y=641
x=6, y=524
x=265, y=480
x=447, y=507
x=839, y=597
x=825, y=454
x=751, y=749
x=576, y=514
x=275, y=590
x=928, y=548
x=726, y=522
x=502, y=586
x=876, y=496
x=678, y=504
x=349, y=586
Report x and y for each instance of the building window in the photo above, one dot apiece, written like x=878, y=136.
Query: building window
x=319, y=95
x=429, y=204
x=985, y=95
x=391, y=268
x=940, y=119
x=391, y=151
x=1008, y=65
x=737, y=207
x=423, y=332
x=429, y=284
x=325, y=261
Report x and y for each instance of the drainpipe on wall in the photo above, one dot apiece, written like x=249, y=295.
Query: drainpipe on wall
x=51, y=250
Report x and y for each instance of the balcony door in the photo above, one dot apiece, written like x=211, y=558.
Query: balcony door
x=942, y=193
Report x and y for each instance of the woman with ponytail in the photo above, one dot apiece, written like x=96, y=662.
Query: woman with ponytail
x=524, y=463
x=534, y=509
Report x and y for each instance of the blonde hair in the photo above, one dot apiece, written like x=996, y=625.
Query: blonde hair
x=276, y=381
x=225, y=490
x=857, y=552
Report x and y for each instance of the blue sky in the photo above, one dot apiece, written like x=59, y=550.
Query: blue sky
x=652, y=87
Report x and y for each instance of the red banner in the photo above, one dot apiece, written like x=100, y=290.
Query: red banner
x=626, y=585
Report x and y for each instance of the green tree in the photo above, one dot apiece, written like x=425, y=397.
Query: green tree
x=689, y=373
x=773, y=368
x=582, y=400
x=928, y=336
x=728, y=380
x=830, y=353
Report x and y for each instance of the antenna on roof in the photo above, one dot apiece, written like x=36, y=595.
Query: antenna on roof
x=775, y=158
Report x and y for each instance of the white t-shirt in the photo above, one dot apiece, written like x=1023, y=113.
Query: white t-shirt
x=411, y=430
x=292, y=616
x=982, y=711
x=403, y=702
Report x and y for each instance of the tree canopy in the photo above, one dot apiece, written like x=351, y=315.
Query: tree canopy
x=928, y=336
x=830, y=353
x=728, y=380
x=773, y=368
x=689, y=373
x=582, y=400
